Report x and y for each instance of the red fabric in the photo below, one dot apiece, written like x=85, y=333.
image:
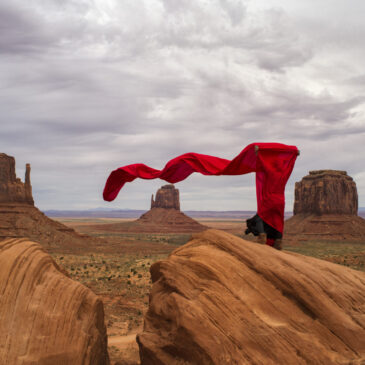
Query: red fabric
x=273, y=164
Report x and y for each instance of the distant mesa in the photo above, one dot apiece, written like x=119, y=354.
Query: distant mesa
x=221, y=300
x=167, y=197
x=46, y=317
x=163, y=217
x=325, y=208
x=20, y=218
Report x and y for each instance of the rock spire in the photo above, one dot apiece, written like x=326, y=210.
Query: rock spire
x=12, y=189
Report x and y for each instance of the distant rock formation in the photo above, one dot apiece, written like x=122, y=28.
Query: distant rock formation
x=326, y=192
x=325, y=208
x=167, y=197
x=163, y=217
x=46, y=318
x=221, y=300
x=12, y=190
x=20, y=218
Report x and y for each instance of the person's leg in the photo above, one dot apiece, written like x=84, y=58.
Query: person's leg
x=274, y=237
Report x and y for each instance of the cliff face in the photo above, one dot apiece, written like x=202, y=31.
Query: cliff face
x=20, y=218
x=46, y=318
x=325, y=208
x=12, y=190
x=167, y=197
x=326, y=192
x=223, y=300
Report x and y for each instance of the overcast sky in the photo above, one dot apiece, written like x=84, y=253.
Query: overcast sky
x=87, y=86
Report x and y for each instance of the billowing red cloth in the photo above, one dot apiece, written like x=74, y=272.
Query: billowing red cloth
x=272, y=162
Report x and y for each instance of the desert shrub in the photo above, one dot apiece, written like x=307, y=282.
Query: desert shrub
x=139, y=275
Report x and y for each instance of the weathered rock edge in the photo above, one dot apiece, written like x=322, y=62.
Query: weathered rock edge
x=223, y=300
x=46, y=318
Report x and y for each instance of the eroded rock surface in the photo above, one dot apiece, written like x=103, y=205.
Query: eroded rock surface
x=12, y=189
x=20, y=218
x=326, y=192
x=223, y=300
x=325, y=208
x=167, y=197
x=46, y=318
x=163, y=217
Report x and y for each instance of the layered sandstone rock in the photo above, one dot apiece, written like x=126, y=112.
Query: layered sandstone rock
x=20, y=218
x=46, y=318
x=223, y=300
x=163, y=217
x=12, y=189
x=325, y=208
x=167, y=197
x=326, y=192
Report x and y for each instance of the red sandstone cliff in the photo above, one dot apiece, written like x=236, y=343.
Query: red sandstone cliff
x=20, y=218
x=223, y=300
x=325, y=208
x=163, y=217
x=12, y=190
x=167, y=197
x=326, y=192
x=46, y=318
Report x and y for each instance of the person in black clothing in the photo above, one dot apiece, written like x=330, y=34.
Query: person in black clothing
x=266, y=234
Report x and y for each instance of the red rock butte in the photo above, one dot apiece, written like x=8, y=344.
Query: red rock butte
x=221, y=300
x=20, y=218
x=325, y=208
x=163, y=217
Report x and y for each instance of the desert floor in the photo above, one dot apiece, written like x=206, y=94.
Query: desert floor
x=119, y=271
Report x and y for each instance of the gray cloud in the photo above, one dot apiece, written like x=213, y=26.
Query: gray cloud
x=90, y=86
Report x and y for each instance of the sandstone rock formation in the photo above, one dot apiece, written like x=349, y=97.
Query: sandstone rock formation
x=11, y=188
x=167, y=197
x=163, y=217
x=326, y=192
x=20, y=218
x=46, y=318
x=223, y=300
x=325, y=208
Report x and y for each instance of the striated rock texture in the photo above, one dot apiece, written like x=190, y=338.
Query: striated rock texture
x=12, y=190
x=20, y=218
x=223, y=300
x=46, y=318
x=325, y=208
x=167, y=197
x=326, y=192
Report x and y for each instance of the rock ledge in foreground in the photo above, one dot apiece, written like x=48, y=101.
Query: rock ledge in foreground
x=223, y=300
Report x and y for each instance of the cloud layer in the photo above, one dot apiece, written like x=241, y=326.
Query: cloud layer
x=88, y=86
